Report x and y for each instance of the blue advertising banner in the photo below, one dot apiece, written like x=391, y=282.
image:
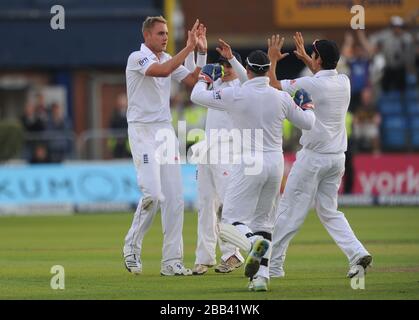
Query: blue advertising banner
x=78, y=184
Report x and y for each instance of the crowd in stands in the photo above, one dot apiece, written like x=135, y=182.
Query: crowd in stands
x=46, y=132
x=385, y=101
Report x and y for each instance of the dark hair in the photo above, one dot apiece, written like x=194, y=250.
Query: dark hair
x=258, y=62
x=328, y=52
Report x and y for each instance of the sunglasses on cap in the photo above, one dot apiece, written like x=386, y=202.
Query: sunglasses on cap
x=257, y=66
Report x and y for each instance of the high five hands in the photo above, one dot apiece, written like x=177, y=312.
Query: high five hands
x=275, y=44
x=300, y=51
x=193, y=36
x=202, y=38
x=224, y=49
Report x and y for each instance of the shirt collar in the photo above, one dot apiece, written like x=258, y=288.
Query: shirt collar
x=147, y=51
x=258, y=81
x=326, y=73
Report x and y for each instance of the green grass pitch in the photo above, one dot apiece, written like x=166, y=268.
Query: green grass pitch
x=89, y=248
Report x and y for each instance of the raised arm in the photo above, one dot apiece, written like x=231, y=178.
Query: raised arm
x=300, y=51
x=214, y=99
x=348, y=45
x=367, y=45
x=300, y=110
x=275, y=44
x=224, y=49
x=166, y=68
x=190, y=62
x=202, y=46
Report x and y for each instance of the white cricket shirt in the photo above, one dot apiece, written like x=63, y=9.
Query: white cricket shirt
x=218, y=119
x=149, y=97
x=331, y=93
x=255, y=105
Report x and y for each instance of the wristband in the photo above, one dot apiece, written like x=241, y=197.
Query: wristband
x=190, y=62
x=201, y=59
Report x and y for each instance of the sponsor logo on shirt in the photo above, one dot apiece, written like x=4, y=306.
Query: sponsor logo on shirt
x=143, y=61
x=145, y=158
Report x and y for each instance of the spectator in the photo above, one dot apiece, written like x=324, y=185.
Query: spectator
x=366, y=124
x=31, y=120
x=40, y=154
x=397, y=47
x=34, y=125
x=59, y=134
x=41, y=108
x=119, y=143
x=358, y=62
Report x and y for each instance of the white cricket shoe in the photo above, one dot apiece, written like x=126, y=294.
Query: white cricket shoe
x=133, y=264
x=364, y=262
x=176, y=269
x=258, y=283
x=278, y=272
x=252, y=263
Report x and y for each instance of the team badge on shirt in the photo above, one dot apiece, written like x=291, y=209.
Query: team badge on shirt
x=217, y=95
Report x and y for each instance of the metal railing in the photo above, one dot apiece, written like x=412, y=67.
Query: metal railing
x=54, y=145
x=89, y=145
x=93, y=144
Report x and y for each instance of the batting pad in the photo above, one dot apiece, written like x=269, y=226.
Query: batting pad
x=230, y=234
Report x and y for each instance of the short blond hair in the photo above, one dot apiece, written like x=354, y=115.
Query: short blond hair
x=150, y=21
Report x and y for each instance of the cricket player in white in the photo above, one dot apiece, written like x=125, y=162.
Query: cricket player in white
x=316, y=174
x=255, y=106
x=149, y=73
x=212, y=181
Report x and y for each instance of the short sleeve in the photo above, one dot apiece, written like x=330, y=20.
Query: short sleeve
x=139, y=61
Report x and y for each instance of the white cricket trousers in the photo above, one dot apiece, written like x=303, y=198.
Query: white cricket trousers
x=250, y=198
x=314, y=177
x=212, y=183
x=159, y=178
